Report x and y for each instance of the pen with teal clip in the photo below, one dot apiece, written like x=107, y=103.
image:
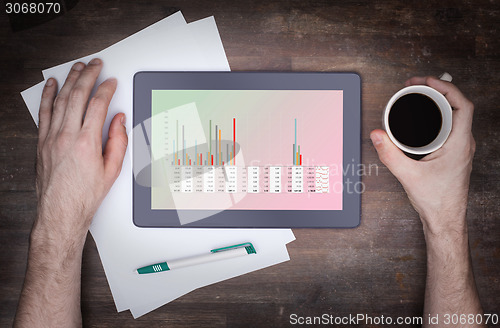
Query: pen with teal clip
x=214, y=255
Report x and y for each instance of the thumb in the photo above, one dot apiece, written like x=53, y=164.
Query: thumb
x=114, y=152
x=392, y=157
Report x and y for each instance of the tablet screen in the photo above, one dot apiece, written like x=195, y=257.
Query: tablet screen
x=246, y=149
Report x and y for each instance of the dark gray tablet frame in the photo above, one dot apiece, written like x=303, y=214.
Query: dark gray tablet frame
x=350, y=83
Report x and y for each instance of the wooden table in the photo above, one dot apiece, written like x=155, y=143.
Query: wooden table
x=376, y=269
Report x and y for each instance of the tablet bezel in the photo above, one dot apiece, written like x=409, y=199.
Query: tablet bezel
x=349, y=83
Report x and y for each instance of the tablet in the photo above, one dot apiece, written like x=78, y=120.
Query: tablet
x=246, y=149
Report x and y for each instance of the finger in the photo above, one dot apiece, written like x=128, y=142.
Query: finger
x=45, y=112
x=79, y=95
x=416, y=80
x=115, y=149
x=61, y=100
x=98, y=107
x=392, y=157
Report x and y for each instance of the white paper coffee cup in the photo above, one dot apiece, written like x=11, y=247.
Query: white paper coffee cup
x=444, y=108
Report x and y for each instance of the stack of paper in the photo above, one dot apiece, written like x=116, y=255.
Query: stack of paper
x=169, y=45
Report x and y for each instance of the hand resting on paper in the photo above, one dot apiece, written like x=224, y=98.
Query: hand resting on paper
x=73, y=177
x=437, y=187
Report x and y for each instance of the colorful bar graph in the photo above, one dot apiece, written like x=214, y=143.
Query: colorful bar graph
x=217, y=157
x=234, y=142
x=297, y=156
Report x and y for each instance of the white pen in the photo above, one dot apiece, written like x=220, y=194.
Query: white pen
x=214, y=255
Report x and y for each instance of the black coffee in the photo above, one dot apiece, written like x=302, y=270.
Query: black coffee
x=415, y=120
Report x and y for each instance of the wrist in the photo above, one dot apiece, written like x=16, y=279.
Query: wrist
x=57, y=260
x=443, y=222
x=446, y=234
x=56, y=235
x=62, y=224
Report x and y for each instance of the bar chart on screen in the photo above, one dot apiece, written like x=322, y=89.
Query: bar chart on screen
x=273, y=149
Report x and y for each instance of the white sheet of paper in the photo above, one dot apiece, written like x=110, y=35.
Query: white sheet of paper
x=274, y=252
x=167, y=45
x=207, y=39
x=32, y=97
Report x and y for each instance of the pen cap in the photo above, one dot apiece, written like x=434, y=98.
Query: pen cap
x=248, y=247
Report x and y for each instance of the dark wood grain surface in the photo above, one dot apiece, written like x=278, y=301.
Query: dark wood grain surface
x=376, y=269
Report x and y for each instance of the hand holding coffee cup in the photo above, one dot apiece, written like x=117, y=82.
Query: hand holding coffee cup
x=418, y=119
x=438, y=184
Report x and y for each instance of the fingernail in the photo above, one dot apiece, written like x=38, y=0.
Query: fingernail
x=123, y=120
x=376, y=139
x=50, y=82
x=112, y=79
x=78, y=66
x=95, y=61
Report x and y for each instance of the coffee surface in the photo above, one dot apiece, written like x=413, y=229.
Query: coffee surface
x=415, y=120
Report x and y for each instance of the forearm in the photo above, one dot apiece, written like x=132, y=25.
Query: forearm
x=74, y=174
x=51, y=292
x=450, y=287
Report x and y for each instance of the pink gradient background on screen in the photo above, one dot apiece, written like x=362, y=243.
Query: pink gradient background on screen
x=265, y=131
